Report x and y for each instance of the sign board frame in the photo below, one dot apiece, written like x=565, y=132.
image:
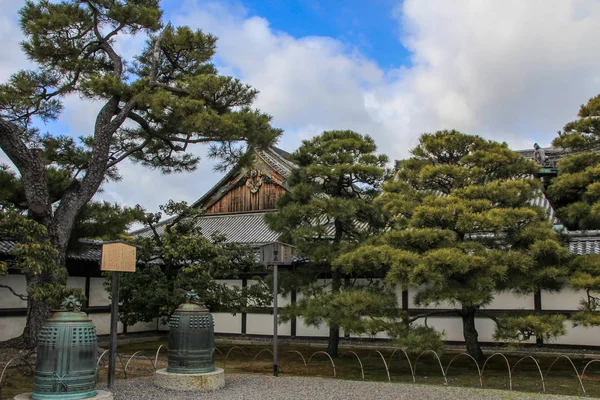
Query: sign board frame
x=276, y=253
x=118, y=256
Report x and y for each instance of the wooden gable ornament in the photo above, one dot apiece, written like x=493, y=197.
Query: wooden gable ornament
x=118, y=256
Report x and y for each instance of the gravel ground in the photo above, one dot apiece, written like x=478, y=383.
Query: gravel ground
x=252, y=386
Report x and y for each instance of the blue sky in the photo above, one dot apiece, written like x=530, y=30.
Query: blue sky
x=369, y=26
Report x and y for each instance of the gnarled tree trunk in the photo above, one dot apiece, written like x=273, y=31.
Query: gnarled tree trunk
x=470, y=333
x=334, y=329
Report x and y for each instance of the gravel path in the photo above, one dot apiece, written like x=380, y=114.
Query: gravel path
x=252, y=386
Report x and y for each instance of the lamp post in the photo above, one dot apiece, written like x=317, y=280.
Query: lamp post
x=275, y=254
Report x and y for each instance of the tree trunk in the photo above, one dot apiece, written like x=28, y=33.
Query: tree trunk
x=470, y=333
x=334, y=340
x=38, y=311
x=37, y=314
x=334, y=329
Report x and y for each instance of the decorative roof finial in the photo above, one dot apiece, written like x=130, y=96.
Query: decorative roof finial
x=539, y=155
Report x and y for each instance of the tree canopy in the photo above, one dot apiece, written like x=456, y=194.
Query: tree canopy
x=575, y=192
x=328, y=210
x=462, y=228
x=152, y=108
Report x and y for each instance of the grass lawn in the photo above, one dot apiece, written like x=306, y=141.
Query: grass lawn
x=463, y=371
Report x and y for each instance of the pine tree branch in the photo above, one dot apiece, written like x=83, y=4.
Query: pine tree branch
x=31, y=167
x=21, y=296
x=430, y=314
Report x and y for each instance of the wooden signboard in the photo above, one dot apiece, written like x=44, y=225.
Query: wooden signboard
x=276, y=253
x=118, y=257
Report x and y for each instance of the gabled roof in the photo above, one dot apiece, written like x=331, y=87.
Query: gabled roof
x=275, y=157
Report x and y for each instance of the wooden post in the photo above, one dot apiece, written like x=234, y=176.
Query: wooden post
x=116, y=257
x=114, y=320
x=275, y=325
x=275, y=254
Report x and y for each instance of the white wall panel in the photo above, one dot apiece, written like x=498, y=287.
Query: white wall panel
x=450, y=326
x=303, y=330
x=262, y=324
x=102, y=323
x=76, y=282
x=511, y=301
x=566, y=299
x=227, y=323
x=19, y=285
x=579, y=336
x=98, y=296
x=11, y=327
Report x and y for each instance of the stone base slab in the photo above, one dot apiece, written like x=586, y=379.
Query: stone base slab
x=190, y=382
x=100, y=395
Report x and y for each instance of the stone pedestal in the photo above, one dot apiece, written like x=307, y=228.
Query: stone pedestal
x=100, y=395
x=190, y=382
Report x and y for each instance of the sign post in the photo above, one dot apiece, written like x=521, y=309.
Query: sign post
x=275, y=254
x=117, y=257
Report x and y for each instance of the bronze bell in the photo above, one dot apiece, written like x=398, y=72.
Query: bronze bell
x=65, y=366
x=191, y=338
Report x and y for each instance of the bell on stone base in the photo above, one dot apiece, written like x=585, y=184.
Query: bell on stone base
x=65, y=365
x=191, y=338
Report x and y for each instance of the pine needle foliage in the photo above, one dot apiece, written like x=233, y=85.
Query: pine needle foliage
x=462, y=228
x=328, y=211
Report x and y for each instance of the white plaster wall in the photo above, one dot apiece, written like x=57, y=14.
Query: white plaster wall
x=566, y=299
x=102, y=323
x=77, y=282
x=18, y=284
x=451, y=327
x=579, y=336
x=11, y=327
x=227, y=323
x=262, y=324
x=281, y=300
x=98, y=296
x=511, y=301
x=303, y=330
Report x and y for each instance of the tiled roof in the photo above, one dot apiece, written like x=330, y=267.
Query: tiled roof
x=278, y=159
x=548, y=157
x=584, y=242
x=89, y=250
x=246, y=228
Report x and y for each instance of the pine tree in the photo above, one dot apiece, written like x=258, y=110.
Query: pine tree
x=170, y=95
x=462, y=229
x=329, y=210
x=575, y=192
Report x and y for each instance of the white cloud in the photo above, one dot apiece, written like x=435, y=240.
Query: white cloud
x=508, y=70
x=511, y=70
